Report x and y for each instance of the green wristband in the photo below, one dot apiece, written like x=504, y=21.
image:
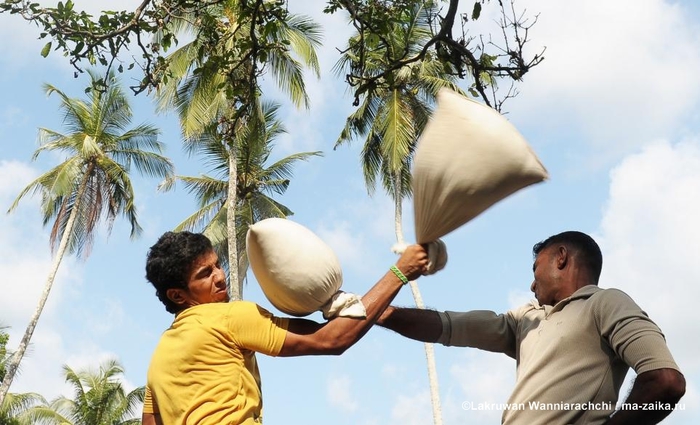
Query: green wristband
x=398, y=274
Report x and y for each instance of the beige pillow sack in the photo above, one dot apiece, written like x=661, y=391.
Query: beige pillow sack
x=298, y=273
x=468, y=158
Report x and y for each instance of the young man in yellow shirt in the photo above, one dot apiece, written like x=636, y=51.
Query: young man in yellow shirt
x=203, y=370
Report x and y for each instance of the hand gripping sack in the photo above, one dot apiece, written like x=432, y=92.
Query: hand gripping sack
x=468, y=158
x=297, y=271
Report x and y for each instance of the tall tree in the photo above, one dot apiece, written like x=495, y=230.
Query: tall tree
x=5, y=355
x=397, y=77
x=93, y=181
x=256, y=183
x=13, y=406
x=99, y=399
x=236, y=42
x=82, y=37
x=392, y=116
x=215, y=87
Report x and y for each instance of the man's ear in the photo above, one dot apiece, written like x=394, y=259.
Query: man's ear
x=176, y=295
x=562, y=257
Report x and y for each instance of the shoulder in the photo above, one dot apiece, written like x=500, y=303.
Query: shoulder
x=612, y=298
x=248, y=307
x=223, y=307
x=530, y=309
x=612, y=308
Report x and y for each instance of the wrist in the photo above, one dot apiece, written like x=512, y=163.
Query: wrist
x=399, y=274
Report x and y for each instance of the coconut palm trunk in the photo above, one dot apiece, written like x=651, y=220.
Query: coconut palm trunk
x=235, y=290
x=24, y=343
x=429, y=349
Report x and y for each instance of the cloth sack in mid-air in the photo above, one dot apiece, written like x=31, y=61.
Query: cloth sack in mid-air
x=468, y=158
x=298, y=273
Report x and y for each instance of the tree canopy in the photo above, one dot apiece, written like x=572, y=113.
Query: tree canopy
x=90, y=40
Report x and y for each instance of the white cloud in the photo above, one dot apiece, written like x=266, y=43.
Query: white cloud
x=619, y=73
x=21, y=234
x=484, y=378
x=412, y=409
x=650, y=237
x=25, y=261
x=350, y=230
x=111, y=316
x=343, y=241
x=340, y=394
x=40, y=369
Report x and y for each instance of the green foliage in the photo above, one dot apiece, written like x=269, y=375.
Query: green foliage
x=256, y=182
x=254, y=33
x=15, y=408
x=213, y=82
x=99, y=398
x=101, y=151
x=93, y=181
x=396, y=107
x=4, y=354
x=476, y=12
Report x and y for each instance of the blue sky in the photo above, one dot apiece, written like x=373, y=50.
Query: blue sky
x=612, y=112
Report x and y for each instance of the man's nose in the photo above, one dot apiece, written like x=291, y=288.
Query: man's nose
x=221, y=276
x=532, y=286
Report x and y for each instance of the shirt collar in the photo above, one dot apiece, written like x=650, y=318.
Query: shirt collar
x=582, y=293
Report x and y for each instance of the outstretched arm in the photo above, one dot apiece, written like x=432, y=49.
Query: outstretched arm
x=306, y=337
x=660, y=389
x=151, y=419
x=415, y=323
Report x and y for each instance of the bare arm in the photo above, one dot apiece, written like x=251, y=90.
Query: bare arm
x=419, y=324
x=660, y=389
x=151, y=419
x=306, y=337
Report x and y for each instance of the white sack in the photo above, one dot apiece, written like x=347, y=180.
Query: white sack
x=468, y=158
x=297, y=271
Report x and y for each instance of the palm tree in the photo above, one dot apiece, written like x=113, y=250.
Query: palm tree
x=255, y=183
x=391, y=119
x=99, y=399
x=5, y=355
x=93, y=181
x=219, y=97
x=15, y=408
x=13, y=405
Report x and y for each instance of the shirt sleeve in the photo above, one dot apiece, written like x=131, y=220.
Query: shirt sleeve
x=256, y=329
x=149, y=404
x=630, y=333
x=482, y=329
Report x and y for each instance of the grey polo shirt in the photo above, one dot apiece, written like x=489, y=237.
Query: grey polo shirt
x=571, y=358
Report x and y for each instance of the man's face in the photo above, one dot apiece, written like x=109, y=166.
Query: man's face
x=207, y=282
x=545, y=285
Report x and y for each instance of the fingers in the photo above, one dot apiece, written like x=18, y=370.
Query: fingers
x=414, y=261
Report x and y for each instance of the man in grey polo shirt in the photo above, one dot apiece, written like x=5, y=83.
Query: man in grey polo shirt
x=573, y=346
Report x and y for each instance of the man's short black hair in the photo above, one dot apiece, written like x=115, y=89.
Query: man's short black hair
x=587, y=250
x=170, y=261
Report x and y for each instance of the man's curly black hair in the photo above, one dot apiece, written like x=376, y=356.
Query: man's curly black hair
x=170, y=261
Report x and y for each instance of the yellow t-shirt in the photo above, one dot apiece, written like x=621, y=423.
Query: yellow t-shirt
x=203, y=370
